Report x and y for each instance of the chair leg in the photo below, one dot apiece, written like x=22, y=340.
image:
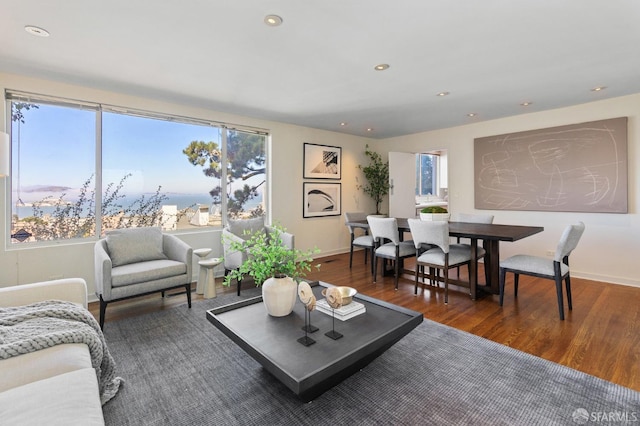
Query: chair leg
x=375, y=267
x=446, y=285
x=559, y=293
x=366, y=253
x=568, y=285
x=239, y=286
x=103, y=311
x=351, y=256
x=162, y=293
x=396, y=271
x=516, y=278
x=503, y=274
x=188, y=289
x=418, y=267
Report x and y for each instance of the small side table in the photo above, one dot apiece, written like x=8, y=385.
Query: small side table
x=207, y=266
x=201, y=253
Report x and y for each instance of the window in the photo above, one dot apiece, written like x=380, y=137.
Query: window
x=153, y=170
x=427, y=174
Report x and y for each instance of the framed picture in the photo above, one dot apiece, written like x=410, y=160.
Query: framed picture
x=322, y=162
x=321, y=199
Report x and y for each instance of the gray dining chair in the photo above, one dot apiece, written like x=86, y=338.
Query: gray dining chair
x=443, y=255
x=386, y=229
x=556, y=269
x=360, y=236
x=474, y=218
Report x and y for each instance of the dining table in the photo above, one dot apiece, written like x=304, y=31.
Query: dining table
x=491, y=235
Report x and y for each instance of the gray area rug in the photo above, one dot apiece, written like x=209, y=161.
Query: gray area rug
x=180, y=370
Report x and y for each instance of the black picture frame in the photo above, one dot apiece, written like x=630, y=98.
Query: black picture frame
x=321, y=199
x=322, y=162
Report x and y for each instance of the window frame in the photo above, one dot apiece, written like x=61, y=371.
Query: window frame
x=12, y=96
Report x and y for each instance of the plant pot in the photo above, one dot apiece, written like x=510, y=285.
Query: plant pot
x=434, y=216
x=279, y=295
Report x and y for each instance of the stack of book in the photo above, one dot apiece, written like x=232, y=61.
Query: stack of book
x=343, y=313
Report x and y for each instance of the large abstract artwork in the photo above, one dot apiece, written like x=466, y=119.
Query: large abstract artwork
x=574, y=168
x=322, y=162
x=321, y=199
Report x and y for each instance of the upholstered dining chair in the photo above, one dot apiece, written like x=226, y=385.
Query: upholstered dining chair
x=474, y=218
x=360, y=237
x=386, y=229
x=556, y=269
x=443, y=255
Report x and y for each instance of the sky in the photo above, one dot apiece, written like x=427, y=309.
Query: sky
x=57, y=148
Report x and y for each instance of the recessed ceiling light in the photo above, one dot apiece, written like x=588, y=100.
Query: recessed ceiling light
x=343, y=124
x=381, y=67
x=598, y=89
x=37, y=31
x=273, y=20
x=526, y=103
x=472, y=114
x=369, y=129
x=442, y=94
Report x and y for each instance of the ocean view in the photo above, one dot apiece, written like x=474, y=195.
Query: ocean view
x=182, y=201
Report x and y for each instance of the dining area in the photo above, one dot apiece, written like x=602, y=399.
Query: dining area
x=395, y=239
x=439, y=247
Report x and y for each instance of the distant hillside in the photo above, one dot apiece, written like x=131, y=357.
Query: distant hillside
x=45, y=188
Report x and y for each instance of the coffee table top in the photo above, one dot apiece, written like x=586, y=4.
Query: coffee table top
x=310, y=370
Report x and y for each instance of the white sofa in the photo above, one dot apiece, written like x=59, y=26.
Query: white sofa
x=53, y=386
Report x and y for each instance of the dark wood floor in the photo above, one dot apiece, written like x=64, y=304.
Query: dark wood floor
x=600, y=336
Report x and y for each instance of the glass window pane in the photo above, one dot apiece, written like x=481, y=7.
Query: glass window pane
x=158, y=173
x=246, y=175
x=53, y=172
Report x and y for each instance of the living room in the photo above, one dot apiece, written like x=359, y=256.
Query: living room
x=605, y=252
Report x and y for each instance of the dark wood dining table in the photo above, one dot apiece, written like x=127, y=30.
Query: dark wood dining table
x=491, y=235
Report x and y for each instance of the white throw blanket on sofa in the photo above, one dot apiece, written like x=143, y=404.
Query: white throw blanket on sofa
x=25, y=329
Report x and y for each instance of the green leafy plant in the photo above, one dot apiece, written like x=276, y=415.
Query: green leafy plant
x=377, y=175
x=434, y=209
x=267, y=257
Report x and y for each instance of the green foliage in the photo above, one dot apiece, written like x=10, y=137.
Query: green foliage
x=78, y=219
x=434, y=209
x=246, y=158
x=268, y=257
x=377, y=175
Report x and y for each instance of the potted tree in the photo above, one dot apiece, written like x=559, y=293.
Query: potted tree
x=377, y=176
x=274, y=267
x=434, y=213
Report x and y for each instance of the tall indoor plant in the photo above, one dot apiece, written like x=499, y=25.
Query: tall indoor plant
x=274, y=267
x=377, y=175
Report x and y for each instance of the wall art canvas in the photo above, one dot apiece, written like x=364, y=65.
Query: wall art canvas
x=321, y=199
x=322, y=162
x=574, y=168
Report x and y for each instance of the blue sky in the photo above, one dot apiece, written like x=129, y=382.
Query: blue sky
x=57, y=148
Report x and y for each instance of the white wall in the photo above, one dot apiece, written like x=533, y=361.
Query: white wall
x=329, y=234
x=607, y=251
x=610, y=245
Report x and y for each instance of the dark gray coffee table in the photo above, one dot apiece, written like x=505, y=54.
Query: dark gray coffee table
x=310, y=370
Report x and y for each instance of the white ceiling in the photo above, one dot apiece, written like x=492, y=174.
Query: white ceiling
x=316, y=69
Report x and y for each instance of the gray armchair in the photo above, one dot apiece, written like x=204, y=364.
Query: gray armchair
x=240, y=230
x=138, y=261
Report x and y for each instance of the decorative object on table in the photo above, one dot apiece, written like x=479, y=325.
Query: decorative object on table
x=377, y=176
x=344, y=312
x=238, y=230
x=274, y=266
x=322, y=162
x=333, y=297
x=432, y=213
x=321, y=199
x=309, y=300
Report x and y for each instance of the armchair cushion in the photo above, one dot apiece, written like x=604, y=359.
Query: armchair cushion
x=135, y=245
x=243, y=227
x=146, y=271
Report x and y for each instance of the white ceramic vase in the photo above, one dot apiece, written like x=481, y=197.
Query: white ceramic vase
x=279, y=295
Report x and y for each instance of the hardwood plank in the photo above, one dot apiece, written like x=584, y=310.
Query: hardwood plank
x=600, y=336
